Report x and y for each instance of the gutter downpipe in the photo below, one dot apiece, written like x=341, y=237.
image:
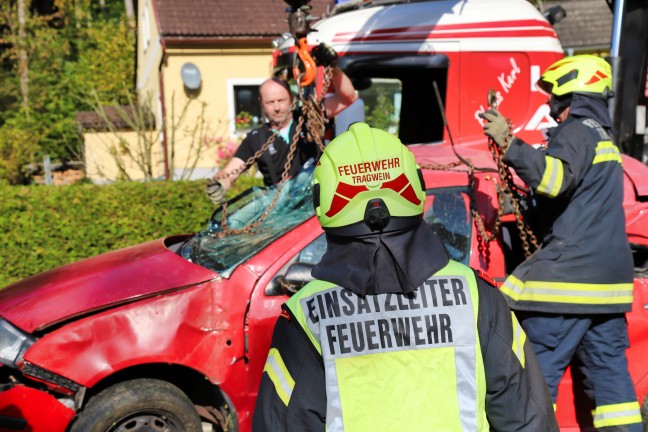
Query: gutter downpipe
x=163, y=110
x=617, y=66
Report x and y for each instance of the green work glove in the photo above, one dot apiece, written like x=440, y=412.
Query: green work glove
x=324, y=55
x=215, y=191
x=496, y=127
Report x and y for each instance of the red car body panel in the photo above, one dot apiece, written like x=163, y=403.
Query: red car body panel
x=636, y=172
x=88, y=285
x=44, y=412
x=190, y=327
x=634, y=201
x=120, y=313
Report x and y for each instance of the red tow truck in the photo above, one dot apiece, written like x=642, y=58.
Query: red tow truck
x=173, y=334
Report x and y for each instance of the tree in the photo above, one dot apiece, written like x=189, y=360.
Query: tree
x=13, y=16
x=130, y=12
x=23, y=61
x=56, y=53
x=139, y=152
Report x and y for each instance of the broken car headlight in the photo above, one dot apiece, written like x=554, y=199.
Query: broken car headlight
x=13, y=343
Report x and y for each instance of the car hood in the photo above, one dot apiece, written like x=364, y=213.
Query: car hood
x=96, y=283
x=638, y=174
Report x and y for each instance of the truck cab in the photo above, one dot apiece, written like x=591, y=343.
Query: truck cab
x=396, y=53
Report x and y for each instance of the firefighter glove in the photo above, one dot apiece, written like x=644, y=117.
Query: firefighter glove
x=496, y=127
x=324, y=55
x=215, y=191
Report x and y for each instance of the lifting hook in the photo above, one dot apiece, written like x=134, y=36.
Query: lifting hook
x=310, y=68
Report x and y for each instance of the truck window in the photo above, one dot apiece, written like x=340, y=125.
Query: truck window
x=378, y=104
x=382, y=103
x=398, y=93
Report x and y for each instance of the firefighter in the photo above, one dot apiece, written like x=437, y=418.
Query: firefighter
x=571, y=296
x=276, y=101
x=392, y=334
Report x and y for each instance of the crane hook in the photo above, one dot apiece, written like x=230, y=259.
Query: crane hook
x=310, y=68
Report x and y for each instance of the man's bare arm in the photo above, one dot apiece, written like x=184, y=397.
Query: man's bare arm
x=345, y=94
x=217, y=186
x=228, y=175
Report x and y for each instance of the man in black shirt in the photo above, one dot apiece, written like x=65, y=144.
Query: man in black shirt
x=276, y=102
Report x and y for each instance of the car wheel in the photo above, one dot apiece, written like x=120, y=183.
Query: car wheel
x=141, y=405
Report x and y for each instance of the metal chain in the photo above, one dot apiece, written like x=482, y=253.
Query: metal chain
x=326, y=83
x=505, y=189
x=508, y=189
x=482, y=234
x=315, y=112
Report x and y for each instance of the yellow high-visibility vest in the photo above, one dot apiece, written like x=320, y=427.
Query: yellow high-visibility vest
x=398, y=362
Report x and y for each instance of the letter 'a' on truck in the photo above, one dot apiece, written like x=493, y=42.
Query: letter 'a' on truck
x=173, y=334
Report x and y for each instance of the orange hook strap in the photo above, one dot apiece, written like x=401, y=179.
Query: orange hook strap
x=310, y=68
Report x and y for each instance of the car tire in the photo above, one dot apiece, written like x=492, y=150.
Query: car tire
x=138, y=405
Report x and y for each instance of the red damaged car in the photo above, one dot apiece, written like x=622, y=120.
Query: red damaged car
x=172, y=335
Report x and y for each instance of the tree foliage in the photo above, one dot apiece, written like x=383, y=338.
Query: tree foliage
x=74, y=48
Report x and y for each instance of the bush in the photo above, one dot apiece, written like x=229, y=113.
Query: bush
x=16, y=150
x=45, y=227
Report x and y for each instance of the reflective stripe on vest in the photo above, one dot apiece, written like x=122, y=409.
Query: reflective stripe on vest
x=425, y=345
x=519, y=339
x=567, y=292
x=552, y=178
x=279, y=375
x=606, y=151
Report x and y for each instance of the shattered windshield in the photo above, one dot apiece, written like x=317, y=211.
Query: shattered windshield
x=224, y=253
x=447, y=212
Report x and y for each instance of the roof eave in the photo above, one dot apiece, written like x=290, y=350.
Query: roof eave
x=182, y=40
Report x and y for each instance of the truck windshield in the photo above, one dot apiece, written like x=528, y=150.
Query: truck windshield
x=223, y=253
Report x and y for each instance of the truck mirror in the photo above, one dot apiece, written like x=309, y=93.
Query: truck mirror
x=361, y=83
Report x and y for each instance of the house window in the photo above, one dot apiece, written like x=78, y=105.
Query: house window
x=247, y=109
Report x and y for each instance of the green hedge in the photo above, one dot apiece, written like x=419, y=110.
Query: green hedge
x=45, y=227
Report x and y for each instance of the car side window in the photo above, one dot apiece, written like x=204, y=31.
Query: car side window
x=449, y=218
x=313, y=253
x=297, y=272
